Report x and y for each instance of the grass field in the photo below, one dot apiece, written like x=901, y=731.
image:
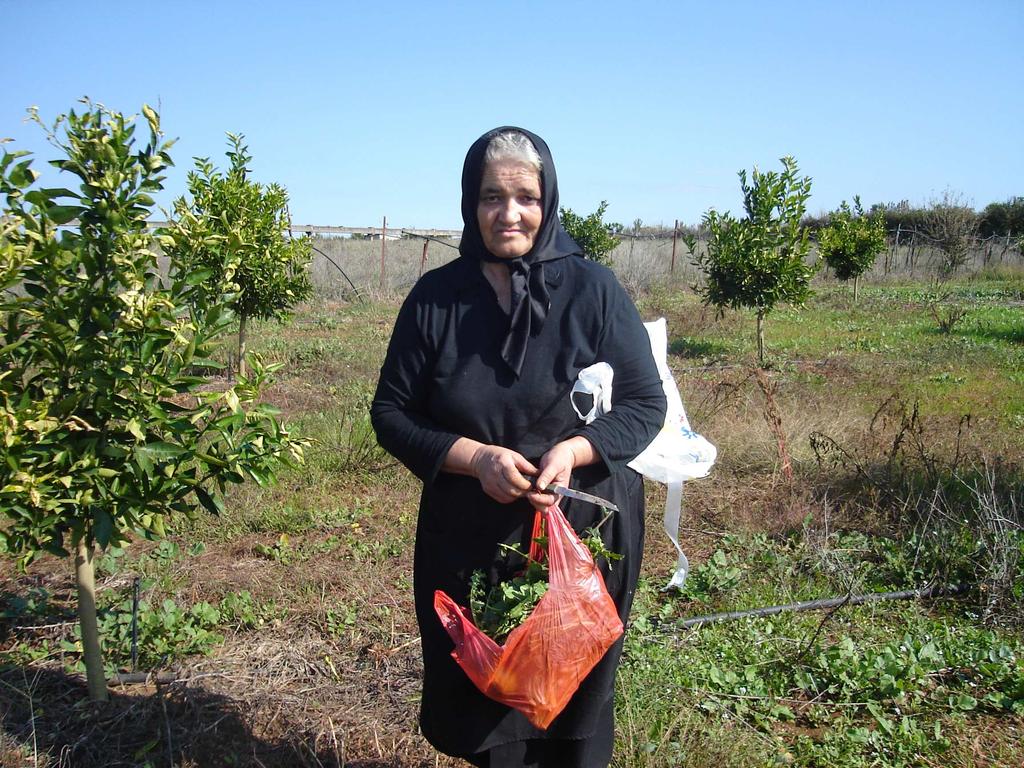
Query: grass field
x=287, y=623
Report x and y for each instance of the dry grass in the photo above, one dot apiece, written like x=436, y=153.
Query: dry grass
x=281, y=701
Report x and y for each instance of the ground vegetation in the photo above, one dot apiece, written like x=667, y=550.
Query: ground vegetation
x=285, y=632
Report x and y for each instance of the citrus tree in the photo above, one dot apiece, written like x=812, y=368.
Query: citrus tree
x=591, y=233
x=851, y=241
x=106, y=429
x=236, y=230
x=760, y=260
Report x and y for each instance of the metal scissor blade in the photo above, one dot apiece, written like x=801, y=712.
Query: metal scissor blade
x=572, y=493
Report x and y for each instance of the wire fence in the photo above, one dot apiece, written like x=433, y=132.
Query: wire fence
x=347, y=267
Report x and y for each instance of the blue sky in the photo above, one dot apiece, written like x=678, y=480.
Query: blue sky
x=366, y=109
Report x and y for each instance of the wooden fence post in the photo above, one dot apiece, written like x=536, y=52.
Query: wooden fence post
x=423, y=258
x=891, y=260
x=383, y=254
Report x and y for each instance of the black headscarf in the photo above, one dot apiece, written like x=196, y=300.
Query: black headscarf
x=530, y=300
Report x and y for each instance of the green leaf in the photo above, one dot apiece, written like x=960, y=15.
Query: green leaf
x=22, y=174
x=160, y=451
x=62, y=214
x=260, y=476
x=963, y=702
x=147, y=349
x=101, y=318
x=212, y=504
x=151, y=117
x=56, y=192
x=199, y=276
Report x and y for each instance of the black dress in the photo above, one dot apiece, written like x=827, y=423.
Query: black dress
x=443, y=377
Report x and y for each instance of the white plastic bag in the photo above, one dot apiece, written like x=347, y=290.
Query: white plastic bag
x=676, y=454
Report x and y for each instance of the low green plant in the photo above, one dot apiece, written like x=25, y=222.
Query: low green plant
x=946, y=315
x=875, y=696
x=280, y=551
x=240, y=611
x=163, y=554
x=111, y=561
x=23, y=654
x=166, y=633
x=340, y=619
x=708, y=580
x=34, y=604
x=354, y=444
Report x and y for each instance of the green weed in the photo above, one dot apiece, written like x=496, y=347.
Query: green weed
x=168, y=632
x=875, y=698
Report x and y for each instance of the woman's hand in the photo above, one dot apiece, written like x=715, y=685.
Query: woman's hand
x=500, y=472
x=556, y=467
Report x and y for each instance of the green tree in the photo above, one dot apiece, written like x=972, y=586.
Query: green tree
x=238, y=230
x=591, y=233
x=1003, y=219
x=105, y=428
x=761, y=259
x=851, y=241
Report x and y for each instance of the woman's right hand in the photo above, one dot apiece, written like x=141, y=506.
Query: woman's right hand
x=500, y=472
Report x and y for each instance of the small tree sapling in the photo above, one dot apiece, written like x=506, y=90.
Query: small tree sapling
x=761, y=259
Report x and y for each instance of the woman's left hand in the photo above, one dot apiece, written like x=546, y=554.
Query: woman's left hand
x=556, y=467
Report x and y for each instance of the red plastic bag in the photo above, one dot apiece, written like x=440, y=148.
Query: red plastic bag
x=544, y=659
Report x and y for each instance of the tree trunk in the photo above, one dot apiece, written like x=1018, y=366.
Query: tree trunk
x=241, y=345
x=760, y=336
x=85, y=579
x=856, y=282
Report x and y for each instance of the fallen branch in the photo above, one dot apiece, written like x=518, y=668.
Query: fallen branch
x=827, y=603
x=140, y=678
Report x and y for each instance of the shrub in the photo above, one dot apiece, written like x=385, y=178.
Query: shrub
x=235, y=230
x=591, y=233
x=952, y=226
x=851, y=241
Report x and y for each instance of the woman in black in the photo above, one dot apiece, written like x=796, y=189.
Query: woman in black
x=473, y=398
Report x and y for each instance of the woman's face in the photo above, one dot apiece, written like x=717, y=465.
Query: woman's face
x=509, y=210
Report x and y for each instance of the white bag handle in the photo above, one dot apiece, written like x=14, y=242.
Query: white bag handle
x=596, y=381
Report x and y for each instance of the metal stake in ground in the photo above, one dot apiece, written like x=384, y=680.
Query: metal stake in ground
x=135, y=622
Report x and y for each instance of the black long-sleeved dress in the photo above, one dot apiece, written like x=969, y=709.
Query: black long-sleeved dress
x=443, y=378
